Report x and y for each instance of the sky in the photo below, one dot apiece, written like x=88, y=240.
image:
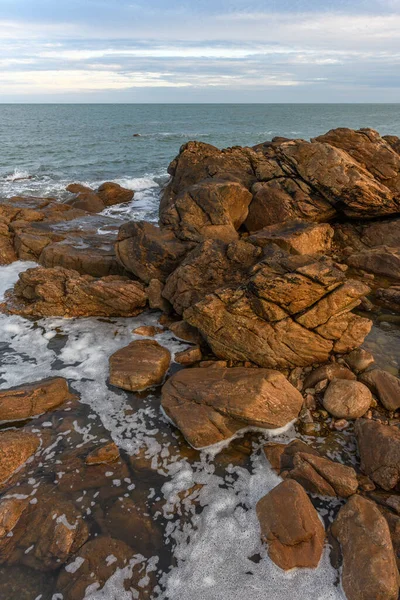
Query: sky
x=199, y=51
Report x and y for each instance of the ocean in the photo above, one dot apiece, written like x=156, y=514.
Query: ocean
x=44, y=147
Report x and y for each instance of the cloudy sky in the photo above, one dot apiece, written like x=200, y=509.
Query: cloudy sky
x=199, y=51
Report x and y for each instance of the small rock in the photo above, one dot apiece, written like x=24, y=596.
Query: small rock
x=347, y=399
x=140, y=365
x=330, y=371
x=156, y=299
x=147, y=330
x=310, y=402
x=340, y=424
x=183, y=331
x=213, y=364
x=291, y=527
x=359, y=360
x=189, y=356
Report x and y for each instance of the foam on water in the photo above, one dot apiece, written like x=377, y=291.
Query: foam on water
x=211, y=520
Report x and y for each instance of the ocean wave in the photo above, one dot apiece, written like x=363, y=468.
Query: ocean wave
x=17, y=175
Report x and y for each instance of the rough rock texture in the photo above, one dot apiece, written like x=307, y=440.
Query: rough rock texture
x=345, y=399
x=379, y=447
x=291, y=527
x=329, y=371
x=294, y=311
x=369, y=564
x=323, y=476
x=42, y=292
x=96, y=569
x=208, y=267
x=15, y=449
x=183, y=331
x=210, y=209
x=141, y=364
x=211, y=405
x=148, y=251
x=385, y=386
x=281, y=456
x=297, y=237
x=359, y=360
x=28, y=400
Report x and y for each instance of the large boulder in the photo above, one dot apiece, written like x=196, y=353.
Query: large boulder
x=372, y=151
x=15, y=449
x=59, y=292
x=211, y=405
x=211, y=265
x=291, y=527
x=294, y=311
x=211, y=209
x=148, y=251
x=369, y=564
x=32, y=399
x=140, y=365
x=379, y=447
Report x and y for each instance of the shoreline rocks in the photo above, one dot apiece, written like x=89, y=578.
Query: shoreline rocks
x=142, y=364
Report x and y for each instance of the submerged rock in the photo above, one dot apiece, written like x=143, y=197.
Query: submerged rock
x=379, y=447
x=142, y=364
x=32, y=399
x=369, y=564
x=211, y=405
x=291, y=527
x=41, y=292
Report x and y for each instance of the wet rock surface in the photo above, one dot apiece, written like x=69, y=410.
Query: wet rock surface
x=16, y=447
x=142, y=364
x=211, y=405
x=379, y=447
x=291, y=527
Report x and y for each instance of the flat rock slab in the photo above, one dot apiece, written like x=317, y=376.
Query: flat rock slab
x=291, y=527
x=32, y=399
x=142, y=364
x=211, y=405
x=369, y=564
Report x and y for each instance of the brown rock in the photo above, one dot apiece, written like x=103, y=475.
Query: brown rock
x=329, y=371
x=291, y=527
x=385, y=386
x=32, y=399
x=96, y=569
x=183, y=331
x=281, y=456
x=104, y=455
x=359, y=360
x=382, y=260
x=323, y=476
x=15, y=449
x=148, y=251
x=369, y=565
x=379, y=447
x=211, y=265
x=147, y=330
x=156, y=300
x=345, y=399
x=42, y=292
x=112, y=193
x=87, y=201
x=140, y=365
x=297, y=237
x=211, y=405
x=189, y=356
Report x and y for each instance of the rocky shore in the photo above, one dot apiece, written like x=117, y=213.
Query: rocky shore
x=270, y=264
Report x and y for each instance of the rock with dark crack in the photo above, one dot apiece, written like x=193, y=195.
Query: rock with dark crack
x=385, y=386
x=379, y=447
x=149, y=252
x=346, y=399
x=369, y=565
x=211, y=405
x=211, y=265
x=293, y=311
x=330, y=371
x=281, y=456
x=291, y=527
x=16, y=447
x=42, y=292
x=99, y=559
x=140, y=365
x=32, y=399
x=211, y=209
x=296, y=237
